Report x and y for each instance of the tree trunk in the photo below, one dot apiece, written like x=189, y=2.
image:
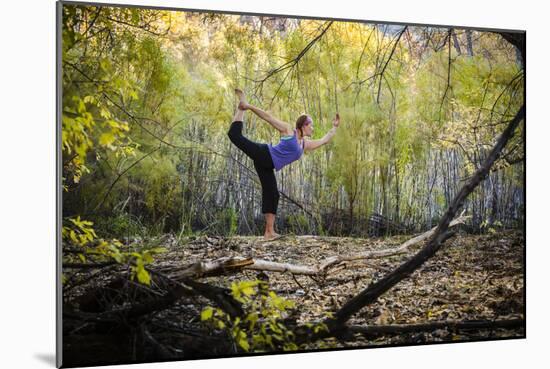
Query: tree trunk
x=469, y=42
x=456, y=43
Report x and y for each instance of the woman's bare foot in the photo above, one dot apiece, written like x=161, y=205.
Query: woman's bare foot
x=240, y=94
x=271, y=236
x=242, y=99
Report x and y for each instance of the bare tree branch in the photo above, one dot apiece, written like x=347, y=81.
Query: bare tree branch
x=448, y=86
x=381, y=74
x=294, y=62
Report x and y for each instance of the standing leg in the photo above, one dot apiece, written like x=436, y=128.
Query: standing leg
x=270, y=198
x=270, y=227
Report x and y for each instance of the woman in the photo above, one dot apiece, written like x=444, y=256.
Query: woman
x=268, y=158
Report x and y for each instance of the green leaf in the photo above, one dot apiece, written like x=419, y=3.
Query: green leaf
x=117, y=256
x=247, y=287
x=236, y=292
x=89, y=99
x=248, y=291
x=207, y=313
x=106, y=138
x=157, y=250
x=143, y=276
x=257, y=340
x=242, y=341
x=72, y=235
x=147, y=258
x=133, y=94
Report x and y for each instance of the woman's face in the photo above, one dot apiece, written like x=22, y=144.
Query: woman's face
x=308, y=127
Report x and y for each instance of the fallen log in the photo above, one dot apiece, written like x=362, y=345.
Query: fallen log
x=387, y=252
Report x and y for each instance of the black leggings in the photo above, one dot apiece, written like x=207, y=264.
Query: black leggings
x=263, y=163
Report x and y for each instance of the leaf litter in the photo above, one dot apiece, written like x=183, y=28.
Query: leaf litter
x=471, y=278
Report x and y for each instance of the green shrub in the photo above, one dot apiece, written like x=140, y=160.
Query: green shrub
x=261, y=328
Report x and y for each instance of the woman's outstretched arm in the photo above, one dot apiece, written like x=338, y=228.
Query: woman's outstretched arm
x=279, y=125
x=315, y=144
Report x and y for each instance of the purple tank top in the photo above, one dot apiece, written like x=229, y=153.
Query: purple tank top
x=286, y=151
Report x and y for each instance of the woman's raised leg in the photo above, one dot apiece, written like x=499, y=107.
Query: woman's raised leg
x=250, y=148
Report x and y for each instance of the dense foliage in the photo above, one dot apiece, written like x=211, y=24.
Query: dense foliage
x=148, y=99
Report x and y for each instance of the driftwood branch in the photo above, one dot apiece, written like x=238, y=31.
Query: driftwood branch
x=387, y=252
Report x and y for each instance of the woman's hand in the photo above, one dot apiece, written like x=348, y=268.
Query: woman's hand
x=336, y=121
x=243, y=105
x=315, y=144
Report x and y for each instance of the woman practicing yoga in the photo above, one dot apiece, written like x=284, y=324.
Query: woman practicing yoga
x=268, y=158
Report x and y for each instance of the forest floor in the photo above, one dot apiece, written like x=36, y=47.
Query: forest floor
x=471, y=278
